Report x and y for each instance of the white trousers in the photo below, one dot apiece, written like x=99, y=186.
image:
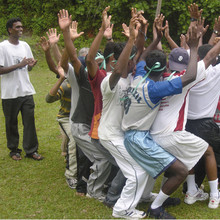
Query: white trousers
x=137, y=177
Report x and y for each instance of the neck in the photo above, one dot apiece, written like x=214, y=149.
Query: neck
x=154, y=78
x=13, y=40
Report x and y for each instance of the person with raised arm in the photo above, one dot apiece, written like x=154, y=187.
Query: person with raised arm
x=82, y=116
x=62, y=91
x=143, y=102
x=168, y=129
x=113, y=88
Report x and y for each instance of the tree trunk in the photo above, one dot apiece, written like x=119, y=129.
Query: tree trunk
x=159, y=2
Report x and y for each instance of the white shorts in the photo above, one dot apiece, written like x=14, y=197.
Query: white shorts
x=184, y=145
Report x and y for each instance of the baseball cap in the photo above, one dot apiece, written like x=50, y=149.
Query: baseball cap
x=178, y=59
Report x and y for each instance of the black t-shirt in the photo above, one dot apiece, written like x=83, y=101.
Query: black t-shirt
x=85, y=105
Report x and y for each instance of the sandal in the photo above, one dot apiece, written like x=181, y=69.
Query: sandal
x=16, y=156
x=35, y=156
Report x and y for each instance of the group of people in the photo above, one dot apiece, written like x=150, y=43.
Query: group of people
x=127, y=115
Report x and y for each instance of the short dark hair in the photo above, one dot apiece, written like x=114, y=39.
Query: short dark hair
x=203, y=50
x=10, y=23
x=156, y=56
x=119, y=48
x=109, y=49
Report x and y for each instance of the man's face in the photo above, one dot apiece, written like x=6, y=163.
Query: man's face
x=16, y=30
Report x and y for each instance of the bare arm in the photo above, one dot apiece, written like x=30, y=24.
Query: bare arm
x=65, y=22
x=159, y=29
x=23, y=63
x=168, y=37
x=46, y=48
x=57, y=85
x=124, y=56
x=202, y=29
x=159, y=45
x=53, y=40
x=191, y=70
x=90, y=60
x=141, y=37
x=216, y=31
x=212, y=54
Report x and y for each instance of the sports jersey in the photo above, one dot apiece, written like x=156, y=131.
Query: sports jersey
x=143, y=99
x=113, y=109
x=95, y=86
x=172, y=113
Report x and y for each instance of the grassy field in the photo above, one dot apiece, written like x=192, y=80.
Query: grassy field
x=37, y=190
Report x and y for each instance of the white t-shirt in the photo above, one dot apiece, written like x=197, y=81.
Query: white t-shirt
x=203, y=97
x=16, y=83
x=70, y=75
x=172, y=114
x=143, y=99
x=113, y=109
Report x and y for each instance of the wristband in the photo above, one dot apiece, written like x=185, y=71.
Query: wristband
x=215, y=32
x=193, y=19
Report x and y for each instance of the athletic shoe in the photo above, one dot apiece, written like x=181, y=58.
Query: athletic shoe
x=171, y=202
x=71, y=182
x=100, y=198
x=200, y=195
x=109, y=205
x=214, y=203
x=159, y=213
x=129, y=214
x=150, y=198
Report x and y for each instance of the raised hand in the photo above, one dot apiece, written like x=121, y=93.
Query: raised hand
x=193, y=37
x=73, y=31
x=217, y=25
x=64, y=19
x=126, y=30
x=183, y=43
x=167, y=30
x=108, y=32
x=159, y=25
x=106, y=20
x=144, y=22
x=134, y=26
x=200, y=26
x=194, y=11
x=52, y=36
x=44, y=44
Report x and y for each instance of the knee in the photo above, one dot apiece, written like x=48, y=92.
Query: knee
x=183, y=172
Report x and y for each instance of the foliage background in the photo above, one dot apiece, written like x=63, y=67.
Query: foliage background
x=40, y=15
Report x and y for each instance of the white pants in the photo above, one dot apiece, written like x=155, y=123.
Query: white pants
x=136, y=176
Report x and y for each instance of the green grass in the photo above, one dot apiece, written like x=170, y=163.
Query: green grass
x=37, y=190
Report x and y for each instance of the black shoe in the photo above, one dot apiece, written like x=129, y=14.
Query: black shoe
x=171, y=202
x=109, y=205
x=159, y=213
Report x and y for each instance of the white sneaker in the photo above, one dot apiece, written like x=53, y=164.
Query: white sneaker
x=214, y=203
x=129, y=214
x=200, y=195
x=71, y=182
x=150, y=198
